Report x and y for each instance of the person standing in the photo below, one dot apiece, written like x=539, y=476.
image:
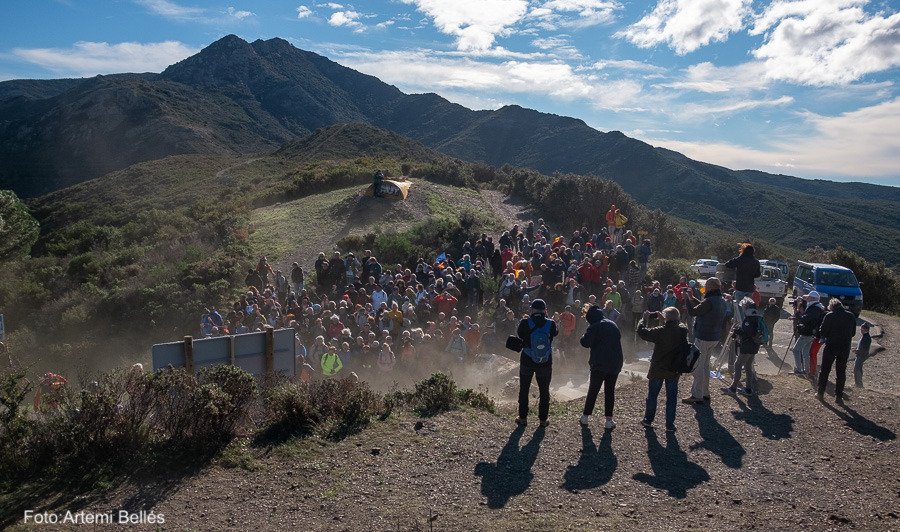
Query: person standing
x=611, y=220
x=746, y=270
x=838, y=328
x=862, y=353
x=808, y=322
x=666, y=339
x=709, y=315
x=377, y=178
x=605, y=342
x=644, y=257
x=771, y=315
x=297, y=277
x=536, y=361
x=748, y=348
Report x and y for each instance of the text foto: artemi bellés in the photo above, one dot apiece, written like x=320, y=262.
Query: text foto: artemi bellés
x=94, y=518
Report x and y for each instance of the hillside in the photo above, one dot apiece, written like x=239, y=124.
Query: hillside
x=236, y=97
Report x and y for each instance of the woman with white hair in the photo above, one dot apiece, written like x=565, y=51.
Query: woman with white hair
x=748, y=346
x=666, y=338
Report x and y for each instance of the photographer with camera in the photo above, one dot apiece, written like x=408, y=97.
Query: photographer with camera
x=665, y=339
x=807, y=322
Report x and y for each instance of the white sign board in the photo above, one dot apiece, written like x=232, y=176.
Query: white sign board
x=249, y=353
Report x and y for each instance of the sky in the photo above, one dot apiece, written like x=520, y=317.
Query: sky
x=806, y=88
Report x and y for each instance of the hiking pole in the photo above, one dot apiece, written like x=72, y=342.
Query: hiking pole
x=793, y=337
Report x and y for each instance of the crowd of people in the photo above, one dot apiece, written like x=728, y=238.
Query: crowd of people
x=357, y=315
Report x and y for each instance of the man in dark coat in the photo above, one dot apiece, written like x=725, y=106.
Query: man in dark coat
x=665, y=339
x=837, y=330
x=746, y=270
x=529, y=369
x=605, y=342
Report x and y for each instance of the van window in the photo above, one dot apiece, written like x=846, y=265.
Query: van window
x=837, y=278
x=804, y=274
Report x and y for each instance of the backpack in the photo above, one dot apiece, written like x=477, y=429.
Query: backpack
x=762, y=332
x=540, y=342
x=686, y=356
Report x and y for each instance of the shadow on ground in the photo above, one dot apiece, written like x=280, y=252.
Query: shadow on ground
x=511, y=474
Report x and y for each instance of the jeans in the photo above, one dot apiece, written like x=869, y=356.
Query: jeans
x=671, y=400
x=608, y=381
x=745, y=361
x=839, y=358
x=858, y=370
x=801, y=354
x=700, y=389
x=542, y=373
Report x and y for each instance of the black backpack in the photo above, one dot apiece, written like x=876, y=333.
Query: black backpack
x=686, y=355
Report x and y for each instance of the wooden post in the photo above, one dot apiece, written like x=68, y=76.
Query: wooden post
x=270, y=351
x=189, y=354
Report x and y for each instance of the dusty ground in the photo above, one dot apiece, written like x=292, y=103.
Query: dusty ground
x=780, y=461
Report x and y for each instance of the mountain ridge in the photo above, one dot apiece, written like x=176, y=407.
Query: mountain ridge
x=239, y=97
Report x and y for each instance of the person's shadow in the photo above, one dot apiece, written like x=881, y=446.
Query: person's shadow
x=511, y=474
x=717, y=439
x=596, y=465
x=773, y=426
x=671, y=469
x=862, y=425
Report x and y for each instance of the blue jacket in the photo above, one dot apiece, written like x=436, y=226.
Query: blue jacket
x=604, y=340
x=709, y=314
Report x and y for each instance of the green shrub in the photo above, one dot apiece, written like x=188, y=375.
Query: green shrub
x=669, y=271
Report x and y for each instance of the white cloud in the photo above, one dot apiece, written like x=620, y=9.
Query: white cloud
x=240, y=15
x=171, y=10
x=475, y=23
x=347, y=19
x=332, y=6
x=421, y=71
x=555, y=13
x=303, y=12
x=92, y=58
x=706, y=77
x=686, y=25
x=825, y=42
x=861, y=144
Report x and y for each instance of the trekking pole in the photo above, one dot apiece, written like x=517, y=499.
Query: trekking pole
x=793, y=337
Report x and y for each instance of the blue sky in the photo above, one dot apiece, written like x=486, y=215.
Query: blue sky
x=805, y=88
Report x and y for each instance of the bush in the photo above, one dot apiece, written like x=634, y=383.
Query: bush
x=439, y=393
x=669, y=271
x=333, y=407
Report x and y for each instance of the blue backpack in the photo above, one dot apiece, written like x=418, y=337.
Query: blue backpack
x=540, y=342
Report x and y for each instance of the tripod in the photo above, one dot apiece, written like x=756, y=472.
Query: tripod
x=729, y=344
x=793, y=337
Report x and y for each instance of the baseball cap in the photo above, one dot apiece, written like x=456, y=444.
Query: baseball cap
x=538, y=304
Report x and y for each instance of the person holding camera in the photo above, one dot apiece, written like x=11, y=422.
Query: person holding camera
x=747, y=337
x=709, y=315
x=536, y=361
x=808, y=321
x=605, y=342
x=666, y=339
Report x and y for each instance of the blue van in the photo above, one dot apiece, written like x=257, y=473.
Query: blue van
x=829, y=280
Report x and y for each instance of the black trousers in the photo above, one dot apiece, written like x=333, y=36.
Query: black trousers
x=528, y=369
x=829, y=357
x=608, y=381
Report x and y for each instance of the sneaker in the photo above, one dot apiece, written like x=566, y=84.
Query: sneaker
x=545, y=422
x=646, y=424
x=610, y=424
x=521, y=421
x=583, y=420
x=839, y=400
x=692, y=401
x=746, y=391
x=820, y=396
x=729, y=390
